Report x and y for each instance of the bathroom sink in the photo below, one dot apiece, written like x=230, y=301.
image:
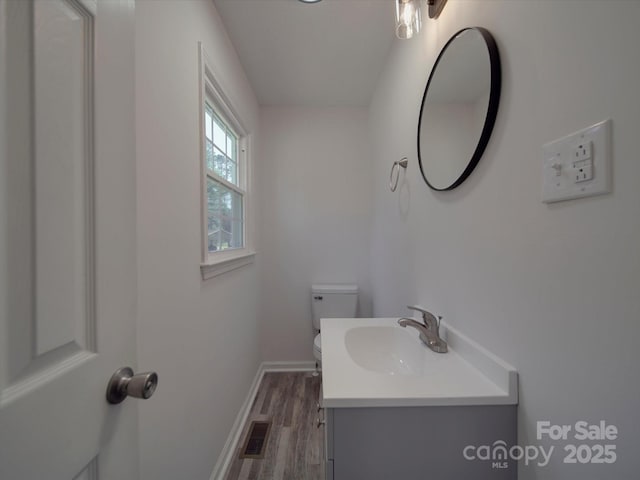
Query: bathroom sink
x=385, y=349
x=374, y=362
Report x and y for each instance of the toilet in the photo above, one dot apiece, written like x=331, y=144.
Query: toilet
x=331, y=301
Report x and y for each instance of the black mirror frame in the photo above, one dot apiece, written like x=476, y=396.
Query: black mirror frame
x=492, y=108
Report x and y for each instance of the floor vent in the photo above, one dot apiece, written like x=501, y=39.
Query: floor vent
x=256, y=442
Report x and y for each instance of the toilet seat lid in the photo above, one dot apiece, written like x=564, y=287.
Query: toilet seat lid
x=317, y=342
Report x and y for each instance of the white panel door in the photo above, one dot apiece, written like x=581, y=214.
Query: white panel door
x=67, y=238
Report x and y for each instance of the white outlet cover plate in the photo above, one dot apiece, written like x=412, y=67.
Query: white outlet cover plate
x=556, y=188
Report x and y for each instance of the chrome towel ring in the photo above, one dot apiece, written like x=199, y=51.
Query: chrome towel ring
x=393, y=184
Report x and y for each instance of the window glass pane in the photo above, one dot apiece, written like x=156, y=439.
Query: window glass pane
x=208, y=121
x=219, y=135
x=209, y=153
x=221, y=165
x=232, y=141
x=224, y=217
x=232, y=172
x=236, y=228
x=222, y=154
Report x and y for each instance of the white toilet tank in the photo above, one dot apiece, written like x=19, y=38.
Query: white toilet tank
x=333, y=301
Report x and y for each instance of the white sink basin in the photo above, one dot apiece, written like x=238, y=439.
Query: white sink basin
x=373, y=362
x=389, y=350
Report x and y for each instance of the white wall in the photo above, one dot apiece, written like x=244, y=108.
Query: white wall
x=553, y=289
x=201, y=337
x=315, y=218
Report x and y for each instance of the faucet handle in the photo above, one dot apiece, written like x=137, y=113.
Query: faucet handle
x=428, y=318
x=417, y=308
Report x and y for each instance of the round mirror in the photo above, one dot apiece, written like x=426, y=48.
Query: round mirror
x=459, y=108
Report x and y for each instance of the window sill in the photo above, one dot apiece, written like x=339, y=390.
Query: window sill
x=216, y=267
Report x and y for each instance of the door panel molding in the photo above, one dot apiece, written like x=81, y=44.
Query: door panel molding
x=67, y=229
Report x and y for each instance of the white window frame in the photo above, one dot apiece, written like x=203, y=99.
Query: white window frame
x=211, y=92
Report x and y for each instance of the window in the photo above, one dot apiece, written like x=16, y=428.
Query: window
x=225, y=215
x=225, y=180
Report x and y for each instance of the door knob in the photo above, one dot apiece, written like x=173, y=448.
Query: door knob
x=124, y=383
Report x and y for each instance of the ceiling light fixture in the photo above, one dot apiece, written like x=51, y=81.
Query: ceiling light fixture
x=409, y=16
x=309, y=1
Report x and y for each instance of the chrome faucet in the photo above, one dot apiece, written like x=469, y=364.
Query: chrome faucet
x=429, y=329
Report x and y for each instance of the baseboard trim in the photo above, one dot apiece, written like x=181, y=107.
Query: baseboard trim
x=226, y=456
x=288, y=366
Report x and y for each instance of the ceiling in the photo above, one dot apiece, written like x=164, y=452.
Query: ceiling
x=324, y=54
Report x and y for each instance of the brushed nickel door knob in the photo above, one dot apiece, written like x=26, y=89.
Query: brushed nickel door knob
x=125, y=384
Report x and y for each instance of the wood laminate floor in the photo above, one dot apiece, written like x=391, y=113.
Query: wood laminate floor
x=294, y=449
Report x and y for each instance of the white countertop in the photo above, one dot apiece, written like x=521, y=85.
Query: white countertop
x=466, y=375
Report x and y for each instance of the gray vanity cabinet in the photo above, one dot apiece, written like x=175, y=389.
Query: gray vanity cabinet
x=419, y=443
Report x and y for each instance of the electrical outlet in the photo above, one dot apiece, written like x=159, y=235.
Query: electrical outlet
x=578, y=165
x=582, y=151
x=583, y=171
